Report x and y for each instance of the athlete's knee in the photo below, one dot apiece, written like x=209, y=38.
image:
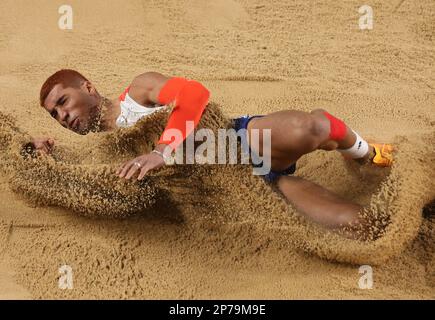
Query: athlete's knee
x=319, y=126
x=318, y=111
x=308, y=132
x=331, y=127
x=349, y=216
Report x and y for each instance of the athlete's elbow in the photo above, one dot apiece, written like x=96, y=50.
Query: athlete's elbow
x=200, y=88
x=195, y=93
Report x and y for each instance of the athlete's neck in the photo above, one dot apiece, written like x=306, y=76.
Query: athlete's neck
x=109, y=112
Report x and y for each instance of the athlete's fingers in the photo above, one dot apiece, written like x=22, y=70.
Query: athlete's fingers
x=125, y=169
x=132, y=170
x=143, y=172
x=47, y=147
x=118, y=172
x=44, y=148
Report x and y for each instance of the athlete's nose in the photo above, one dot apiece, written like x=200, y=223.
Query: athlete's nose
x=63, y=116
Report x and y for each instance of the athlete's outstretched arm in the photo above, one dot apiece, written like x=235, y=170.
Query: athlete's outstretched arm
x=189, y=98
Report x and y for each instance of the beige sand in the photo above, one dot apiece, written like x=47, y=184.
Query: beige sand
x=256, y=58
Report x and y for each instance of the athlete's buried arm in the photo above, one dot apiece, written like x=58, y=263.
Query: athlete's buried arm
x=43, y=145
x=190, y=98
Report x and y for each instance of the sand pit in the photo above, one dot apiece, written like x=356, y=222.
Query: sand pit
x=236, y=238
x=83, y=180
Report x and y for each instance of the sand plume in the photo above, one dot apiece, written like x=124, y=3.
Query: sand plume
x=81, y=178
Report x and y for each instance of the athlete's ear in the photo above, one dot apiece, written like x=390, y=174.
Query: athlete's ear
x=89, y=87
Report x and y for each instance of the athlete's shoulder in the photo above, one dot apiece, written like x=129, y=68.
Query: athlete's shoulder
x=145, y=87
x=149, y=80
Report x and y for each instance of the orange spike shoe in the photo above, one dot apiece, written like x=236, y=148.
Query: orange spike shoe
x=383, y=154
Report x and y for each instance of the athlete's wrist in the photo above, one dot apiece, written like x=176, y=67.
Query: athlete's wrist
x=164, y=151
x=163, y=148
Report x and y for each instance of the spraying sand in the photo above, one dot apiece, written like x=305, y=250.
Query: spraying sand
x=218, y=231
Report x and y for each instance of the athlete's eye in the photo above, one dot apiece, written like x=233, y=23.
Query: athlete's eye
x=61, y=101
x=53, y=114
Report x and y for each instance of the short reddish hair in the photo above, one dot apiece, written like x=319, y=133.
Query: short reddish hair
x=67, y=77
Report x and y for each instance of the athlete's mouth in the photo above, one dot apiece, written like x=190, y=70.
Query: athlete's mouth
x=74, y=125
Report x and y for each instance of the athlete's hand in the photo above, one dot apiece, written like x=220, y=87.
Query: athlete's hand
x=42, y=145
x=141, y=165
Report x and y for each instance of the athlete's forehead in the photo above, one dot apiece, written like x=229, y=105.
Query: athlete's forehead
x=54, y=96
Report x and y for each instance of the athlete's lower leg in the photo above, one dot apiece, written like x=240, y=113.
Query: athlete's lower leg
x=345, y=140
x=318, y=204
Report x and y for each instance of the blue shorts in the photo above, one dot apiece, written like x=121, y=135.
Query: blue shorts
x=242, y=123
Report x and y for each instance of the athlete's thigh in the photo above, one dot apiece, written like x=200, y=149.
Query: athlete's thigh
x=291, y=134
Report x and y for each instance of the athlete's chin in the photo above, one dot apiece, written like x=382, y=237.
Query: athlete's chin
x=90, y=126
x=93, y=122
x=82, y=129
x=83, y=132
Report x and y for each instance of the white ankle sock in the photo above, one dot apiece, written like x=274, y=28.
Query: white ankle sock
x=358, y=150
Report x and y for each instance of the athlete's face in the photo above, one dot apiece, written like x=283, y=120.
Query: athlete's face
x=75, y=108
